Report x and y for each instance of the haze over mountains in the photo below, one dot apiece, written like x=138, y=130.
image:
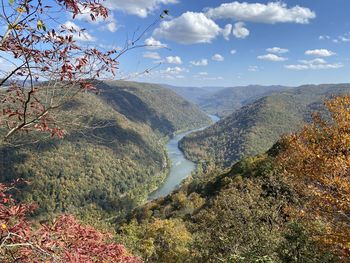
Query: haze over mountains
x=222, y=101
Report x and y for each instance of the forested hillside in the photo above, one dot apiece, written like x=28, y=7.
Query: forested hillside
x=225, y=101
x=112, y=155
x=280, y=206
x=256, y=127
x=222, y=101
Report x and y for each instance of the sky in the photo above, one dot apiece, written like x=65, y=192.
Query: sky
x=226, y=43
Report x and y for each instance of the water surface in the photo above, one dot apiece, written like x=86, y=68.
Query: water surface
x=180, y=168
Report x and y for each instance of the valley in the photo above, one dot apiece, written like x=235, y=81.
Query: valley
x=172, y=131
x=180, y=168
x=113, y=154
x=153, y=163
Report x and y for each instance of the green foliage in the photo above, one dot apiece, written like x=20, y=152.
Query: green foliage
x=298, y=247
x=224, y=102
x=254, y=128
x=157, y=241
x=111, y=157
x=240, y=216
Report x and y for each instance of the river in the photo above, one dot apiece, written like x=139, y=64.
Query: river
x=180, y=168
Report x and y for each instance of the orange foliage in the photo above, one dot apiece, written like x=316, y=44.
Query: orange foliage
x=317, y=162
x=66, y=240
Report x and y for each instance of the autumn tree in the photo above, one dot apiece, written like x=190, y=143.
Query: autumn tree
x=39, y=49
x=65, y=240
x=317, y=162
x=158, y=240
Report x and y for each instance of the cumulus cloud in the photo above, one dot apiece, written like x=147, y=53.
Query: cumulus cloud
x=320, y=53
x=272, y=57
x=189, y=28
x=203, y=62
x=200, y=27
x=226, y=32
x=173, y=60
x=277, y=50
x=315, y=64
x=271, y=13
x=233, y=51
x=141, y=8
x=151, y=55
x=239, y=31
x=217, y=57
x=174, y=70
x=152, y=43
x=109, y=23
x=77, y=33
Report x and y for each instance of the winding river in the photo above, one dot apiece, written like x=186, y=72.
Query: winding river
x=180, y=168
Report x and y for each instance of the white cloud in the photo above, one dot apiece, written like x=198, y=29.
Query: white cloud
x=313, y=61
x=342, y=38
x=151, y=55
x=77, y=32
x=233, y=51
x=271, y=13
x=189, y=28
x=110, y=22
x=315, y=64
x=212, y=78
x=203, y=73
x=324, y=37
x=141, y=8
x=345, y=38
x=272, y=57
x=5, y=67
x=217, y=57
x=277, y=50
x=239, y=31
x=173, y=60
x=152, y=43
x=203, y=62
x=226, y=32
x=112, y=27
x=320, y=53
x=253, y=68
x=174, y=70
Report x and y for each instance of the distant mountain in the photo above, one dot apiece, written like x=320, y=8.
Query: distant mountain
x=194, y=94
x=112, y=156
x=257, y=126
x=225, y=101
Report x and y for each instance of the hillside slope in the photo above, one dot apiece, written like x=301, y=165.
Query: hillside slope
x=112, y=156
x=225, y=101
x=256, y=127
x=163, y=110
x=281, y=206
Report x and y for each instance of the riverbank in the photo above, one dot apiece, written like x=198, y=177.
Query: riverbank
x=180, y=167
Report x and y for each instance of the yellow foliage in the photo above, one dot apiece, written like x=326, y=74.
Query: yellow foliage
x=317, y=162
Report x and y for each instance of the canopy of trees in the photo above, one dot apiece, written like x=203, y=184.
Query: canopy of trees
x=290, y=204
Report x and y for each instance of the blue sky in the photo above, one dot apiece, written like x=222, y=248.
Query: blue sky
x=229, y=43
